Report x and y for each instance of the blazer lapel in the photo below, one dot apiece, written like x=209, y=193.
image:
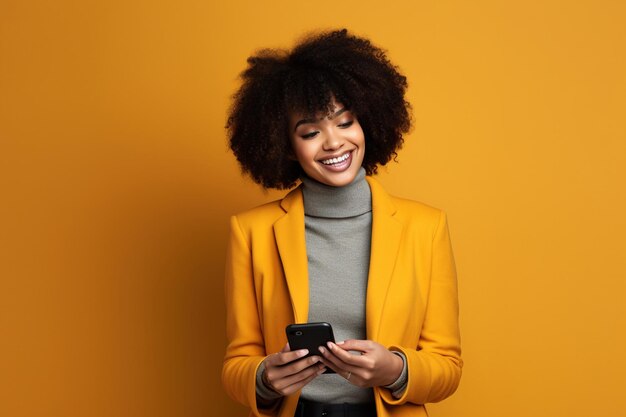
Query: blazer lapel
x=386, y=235
x=289, y=235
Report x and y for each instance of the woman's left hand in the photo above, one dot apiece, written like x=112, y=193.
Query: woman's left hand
x=375, y=366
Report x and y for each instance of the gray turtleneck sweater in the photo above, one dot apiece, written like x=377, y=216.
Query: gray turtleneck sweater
x=338, y=227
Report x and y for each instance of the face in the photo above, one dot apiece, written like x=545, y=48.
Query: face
x=329, y=149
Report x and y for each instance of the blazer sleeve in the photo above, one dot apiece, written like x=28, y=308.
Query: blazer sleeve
x=246, y=348
x=434, y=367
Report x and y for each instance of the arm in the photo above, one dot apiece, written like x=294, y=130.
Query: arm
x=434, y=368
x=246, y=347
x=246, y=363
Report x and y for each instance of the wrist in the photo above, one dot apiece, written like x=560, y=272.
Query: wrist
x=264, y=389
x=395, y=368
x=398, y=365
x=398, y=386
x=266, y=381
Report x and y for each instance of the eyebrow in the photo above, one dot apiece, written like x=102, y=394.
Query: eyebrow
x=332, y=116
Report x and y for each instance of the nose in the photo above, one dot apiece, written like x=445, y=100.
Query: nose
x=332, y=141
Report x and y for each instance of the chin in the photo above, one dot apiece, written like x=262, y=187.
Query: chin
x=339, y=182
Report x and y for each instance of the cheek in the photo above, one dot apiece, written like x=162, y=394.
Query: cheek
x=358, y=136
x=303, y=152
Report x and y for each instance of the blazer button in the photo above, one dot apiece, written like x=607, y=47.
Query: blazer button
x=324, y=413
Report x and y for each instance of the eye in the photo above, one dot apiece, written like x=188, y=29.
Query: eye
x=309, y=135
x=346, y=124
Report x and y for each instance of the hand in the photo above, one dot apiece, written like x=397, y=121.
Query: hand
x=285, y=371
x=375, y=366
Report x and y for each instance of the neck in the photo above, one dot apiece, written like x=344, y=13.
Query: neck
x=321, y=200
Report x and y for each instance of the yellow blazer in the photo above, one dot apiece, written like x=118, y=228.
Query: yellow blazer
x=411, y=302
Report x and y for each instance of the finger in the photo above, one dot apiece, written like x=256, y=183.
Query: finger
x=335, y=362
x=290, y=389
x=273, y=360
x=303, y=374
x=344, y=355
x=282, y=358
x=280, y=372
x=357, y=345
x=347, y=372
x=332, y=366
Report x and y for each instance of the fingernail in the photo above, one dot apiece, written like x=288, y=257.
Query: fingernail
x=341, y=343
x=322, y=349
x=330, y=345
x=303, y=352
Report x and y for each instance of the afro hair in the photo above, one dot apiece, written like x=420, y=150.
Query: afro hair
x=322, y=67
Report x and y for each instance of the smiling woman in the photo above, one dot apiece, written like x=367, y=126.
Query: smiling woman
x=337, y=248
x=329, y=149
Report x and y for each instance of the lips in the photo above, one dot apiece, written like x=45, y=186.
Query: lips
x=337, y=160
x=339, y=163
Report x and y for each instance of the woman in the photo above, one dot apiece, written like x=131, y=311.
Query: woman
x=337, y=248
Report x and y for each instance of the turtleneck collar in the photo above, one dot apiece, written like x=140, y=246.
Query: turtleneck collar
x=321, y=200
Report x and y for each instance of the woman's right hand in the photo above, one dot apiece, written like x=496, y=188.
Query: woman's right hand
x=286, y=371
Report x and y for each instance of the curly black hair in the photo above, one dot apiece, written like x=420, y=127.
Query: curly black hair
x=305, y=80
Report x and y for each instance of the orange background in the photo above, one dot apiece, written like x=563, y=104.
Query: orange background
x=116, y=185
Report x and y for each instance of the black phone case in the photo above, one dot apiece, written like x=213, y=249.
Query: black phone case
x=310, y=336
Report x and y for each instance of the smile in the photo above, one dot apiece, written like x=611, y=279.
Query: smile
x=337, y=160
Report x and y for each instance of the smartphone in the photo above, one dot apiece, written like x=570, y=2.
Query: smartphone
x=310, y=336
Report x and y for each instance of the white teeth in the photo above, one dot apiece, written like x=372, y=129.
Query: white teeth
x=336, y=160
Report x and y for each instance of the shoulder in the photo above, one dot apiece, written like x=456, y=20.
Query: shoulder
x=408, y=212
x=401, y=206
x=416, y=209
x=267, y=214
x=419, y=217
